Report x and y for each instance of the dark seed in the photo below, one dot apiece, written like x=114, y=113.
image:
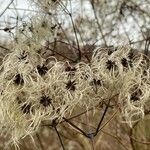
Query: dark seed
x=58, y=110
x=42, y=70
x=135, y=96
x=124, y=62
x=45, y=101
x=71, y=85
x=145, y=73
x=44, y=24
x=18, y=80
x=131, y=55
x=96, y=82
x=23, y=56
x=70, y=69
x=53, y=27
x=110, y=52
x=110, y=64
x=130, y=63
x=26, y=108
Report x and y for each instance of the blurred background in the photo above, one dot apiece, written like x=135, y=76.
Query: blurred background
x=84, y=25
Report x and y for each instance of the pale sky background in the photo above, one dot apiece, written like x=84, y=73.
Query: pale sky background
x=14, y=10
x=11, y=12
x=19, y=8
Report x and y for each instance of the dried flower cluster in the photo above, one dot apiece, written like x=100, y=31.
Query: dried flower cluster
x=54, y=71
x=34, y=89
x=127, y=75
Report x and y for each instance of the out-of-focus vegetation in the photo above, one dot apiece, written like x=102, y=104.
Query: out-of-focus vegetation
x=70, y=30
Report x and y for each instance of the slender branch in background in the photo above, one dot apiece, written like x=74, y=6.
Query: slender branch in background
x=117, y=138
x=126, y=33
x=92, y=143
x=133, y=140
x=76, y=116
x=98, y=24
x=8, y=29
x=136, y=21
x=85, y=124
x=139, y=41
x=72, y=48
x=61, y=55
x=23, y=9
x=139, y=9
x=6, y=8
x=4, y=48
x=74, y=28
x=147, y=46
x=111, y=118
x=63, y=31
x=139, y=141
x=102, y=118
x=68, y=44
x=40, y=142
x=80, y=130
x=55, y=44
x=61, y=142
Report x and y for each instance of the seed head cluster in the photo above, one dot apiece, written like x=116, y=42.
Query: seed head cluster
x=33, y=91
